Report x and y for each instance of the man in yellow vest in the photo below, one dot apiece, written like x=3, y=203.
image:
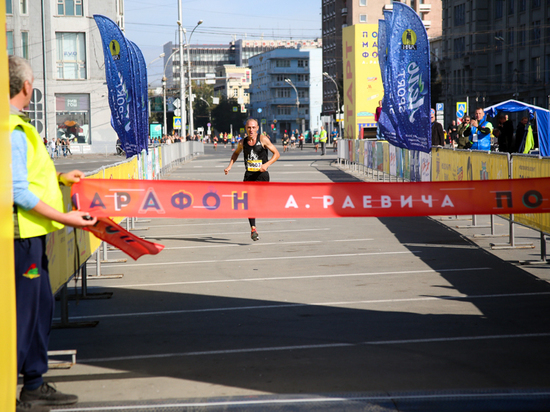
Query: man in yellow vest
x=323, y=139
x=38, y=210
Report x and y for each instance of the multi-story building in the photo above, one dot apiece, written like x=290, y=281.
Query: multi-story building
x=494, y=51
x=286, y=89
x=64, y=48
x=233, y=83
x=205, y=58
x=338, y=14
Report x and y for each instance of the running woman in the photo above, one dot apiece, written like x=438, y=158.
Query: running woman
x=256, y=161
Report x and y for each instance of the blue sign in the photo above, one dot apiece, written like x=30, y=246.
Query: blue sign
x=439, y=107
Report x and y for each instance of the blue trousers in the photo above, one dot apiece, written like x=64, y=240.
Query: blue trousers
x=35, y=304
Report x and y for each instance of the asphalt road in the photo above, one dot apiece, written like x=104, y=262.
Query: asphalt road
x=319, y=314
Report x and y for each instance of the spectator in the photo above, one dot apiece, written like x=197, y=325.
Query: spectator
x=521, y=131
x=462, y=141
x=452, y=133
x=504, y=133
x=438, y=137
x=480, y=131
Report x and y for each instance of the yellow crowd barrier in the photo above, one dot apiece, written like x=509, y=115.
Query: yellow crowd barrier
x=456, y=165
x=68, y=249
x=528, y=166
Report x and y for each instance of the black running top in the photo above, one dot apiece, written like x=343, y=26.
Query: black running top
x=254, y=156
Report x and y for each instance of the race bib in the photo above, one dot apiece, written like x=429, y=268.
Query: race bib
x=254, y=165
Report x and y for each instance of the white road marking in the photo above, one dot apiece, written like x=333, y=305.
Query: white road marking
x=241, y=222
x=310, y=400
x=201, y=235
x=318, y=346
x=264, y=279
x=256, y=259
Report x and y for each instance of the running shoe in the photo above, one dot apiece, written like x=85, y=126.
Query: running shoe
x=254, y=235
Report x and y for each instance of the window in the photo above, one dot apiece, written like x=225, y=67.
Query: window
x=283, y=63
x=25, y=44
x=363, y=18
x=280, y=77
x=71, y=56
x=303, y=63
x=460, y=15
x=536, y=69
x=283, y=110
x=235, y=92
x=304, y=94
x=459, y=47
x=72, y=117
x=9, y=41
x=498, y=74
x=535, y=4
x=362, y=2
x=283, y=93
x=510, y=37
x=511, y=6
x=9, y=7
x=521, y=71
x=535, y=33
x=522, y=5
x=303, y=77
x=69, y=7
x=499, y=40
x=521, y=33
x=499, y=9
x=23, y=6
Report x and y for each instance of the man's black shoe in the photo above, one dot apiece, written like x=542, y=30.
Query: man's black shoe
x=46, y=394
x=29, y=407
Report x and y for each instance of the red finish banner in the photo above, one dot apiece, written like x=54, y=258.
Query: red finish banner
x=227, y=200
x=115, y=235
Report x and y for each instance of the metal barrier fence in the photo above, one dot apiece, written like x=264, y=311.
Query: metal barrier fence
x=69, y=250
x=380, y=161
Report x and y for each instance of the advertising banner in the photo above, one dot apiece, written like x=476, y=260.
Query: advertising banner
x=408, y=80
x=124, y=85
x=363, y=87
x=527, y=167
x=229, y=200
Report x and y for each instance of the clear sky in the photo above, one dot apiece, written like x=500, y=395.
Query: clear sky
x=152, y=23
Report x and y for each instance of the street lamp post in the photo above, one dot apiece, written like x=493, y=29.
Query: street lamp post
x=187, y=43
x=338, y=108
x=297, y=102
x=165, y=131
x=209, y=111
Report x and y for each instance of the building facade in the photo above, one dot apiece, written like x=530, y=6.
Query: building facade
x=64, y=47
x=286, y=89
x=233, y=83
x=494, y=51
x=205, y=58
x=337, y=14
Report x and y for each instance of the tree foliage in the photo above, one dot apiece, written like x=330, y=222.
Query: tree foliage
x=223, y=115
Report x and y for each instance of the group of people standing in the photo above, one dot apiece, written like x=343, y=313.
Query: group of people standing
x=478, y=133
x=59, y=147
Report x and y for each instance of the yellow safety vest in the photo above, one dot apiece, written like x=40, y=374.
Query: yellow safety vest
x=43, y=183
x=323, y=136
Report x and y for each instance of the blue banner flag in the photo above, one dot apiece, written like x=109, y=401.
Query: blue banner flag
x=122, y=84
x=407, y=85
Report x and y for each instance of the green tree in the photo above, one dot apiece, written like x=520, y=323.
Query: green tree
x=224, y=115
x=200, y=107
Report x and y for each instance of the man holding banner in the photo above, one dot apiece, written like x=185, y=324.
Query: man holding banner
x=38, y=210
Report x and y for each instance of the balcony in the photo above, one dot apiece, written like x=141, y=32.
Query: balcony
x=424, y=8
x=344, y=12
